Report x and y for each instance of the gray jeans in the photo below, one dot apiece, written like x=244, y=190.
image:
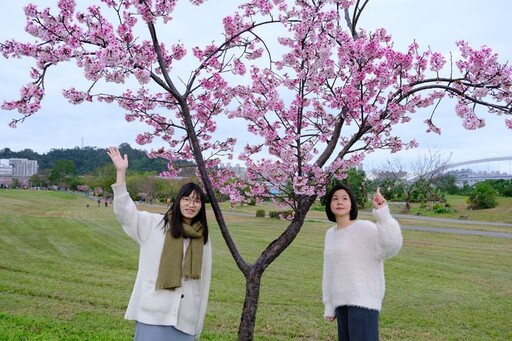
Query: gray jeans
x=148, y=332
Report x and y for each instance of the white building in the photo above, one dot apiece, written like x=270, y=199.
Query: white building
x=5, y=168
x=237, y=169
x=18, y=167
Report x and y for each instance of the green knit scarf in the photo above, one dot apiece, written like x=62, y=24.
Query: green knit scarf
x=171, y=267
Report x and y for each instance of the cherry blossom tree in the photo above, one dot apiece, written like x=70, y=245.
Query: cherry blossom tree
x=316, y=92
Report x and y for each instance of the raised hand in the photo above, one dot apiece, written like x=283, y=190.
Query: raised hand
x=378, y=199
x=120, y=162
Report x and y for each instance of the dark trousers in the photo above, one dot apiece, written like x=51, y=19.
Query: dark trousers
x=357, y=324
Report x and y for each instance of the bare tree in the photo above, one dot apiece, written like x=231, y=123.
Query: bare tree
x=419, y=175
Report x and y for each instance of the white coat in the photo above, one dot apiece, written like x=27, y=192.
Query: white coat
x=185, y=307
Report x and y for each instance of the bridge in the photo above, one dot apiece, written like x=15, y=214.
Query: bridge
x=472, y=178
x=487, y=160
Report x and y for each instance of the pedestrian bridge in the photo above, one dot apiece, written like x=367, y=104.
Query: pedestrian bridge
x=487, y=160
x=504, y=172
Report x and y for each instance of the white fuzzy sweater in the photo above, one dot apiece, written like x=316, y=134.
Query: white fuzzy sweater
x=184, y=307
x=353, y=272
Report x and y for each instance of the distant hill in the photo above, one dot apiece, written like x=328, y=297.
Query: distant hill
x=88, y=159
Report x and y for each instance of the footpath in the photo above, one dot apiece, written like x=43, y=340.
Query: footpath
x=419, y=227
x=453, y=230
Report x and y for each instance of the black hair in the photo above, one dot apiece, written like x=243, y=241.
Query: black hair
x=353, y=203
x=173, y=218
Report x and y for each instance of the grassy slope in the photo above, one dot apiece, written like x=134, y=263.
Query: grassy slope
x=66, y=273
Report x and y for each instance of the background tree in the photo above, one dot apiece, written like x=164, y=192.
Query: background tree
x=317, y=92
x=416, y=180
x=88, y=159
x=388, y=186
x=447, y=183
x=356, y=180
x=149, y=185
x=7, y=153
x=5, y=182
x=63, y=174
x=502, y=187
x=38, y=180
x=103, y=177
x=16, y=183
x=482, y=196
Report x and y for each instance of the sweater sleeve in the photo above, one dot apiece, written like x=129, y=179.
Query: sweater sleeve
x=326, y=283
x=389, y=233
x=135, y=223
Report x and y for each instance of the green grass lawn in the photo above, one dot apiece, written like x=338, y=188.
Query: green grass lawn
x=501, y=213
x=67, y=270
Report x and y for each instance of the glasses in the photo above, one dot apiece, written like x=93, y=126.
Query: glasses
x=187, y=201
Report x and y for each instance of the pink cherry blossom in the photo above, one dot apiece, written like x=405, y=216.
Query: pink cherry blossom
x=316, y=98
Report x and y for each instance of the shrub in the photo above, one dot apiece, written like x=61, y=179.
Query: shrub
x=278, y=214
x=260, y=213
x=439, y=209
x=482, y=196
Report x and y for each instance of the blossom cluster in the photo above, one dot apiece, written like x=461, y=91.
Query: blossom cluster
x=316, y=98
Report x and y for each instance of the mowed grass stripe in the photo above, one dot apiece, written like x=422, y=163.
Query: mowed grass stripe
x=67, y=270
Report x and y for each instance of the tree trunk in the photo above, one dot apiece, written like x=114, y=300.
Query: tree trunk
x=252, y=293
x=407, y=202
x=407, y=205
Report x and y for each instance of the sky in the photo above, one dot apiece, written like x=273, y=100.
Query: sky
x=434, y=23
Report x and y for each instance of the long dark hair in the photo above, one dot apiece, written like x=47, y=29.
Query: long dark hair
x=353, y=203
x=173, y=219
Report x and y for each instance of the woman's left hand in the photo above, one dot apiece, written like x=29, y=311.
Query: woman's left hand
x=330, y=318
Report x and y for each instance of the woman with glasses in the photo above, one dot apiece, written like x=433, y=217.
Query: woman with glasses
x=170, y=294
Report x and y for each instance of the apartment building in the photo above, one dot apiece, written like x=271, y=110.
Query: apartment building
x=18, y=167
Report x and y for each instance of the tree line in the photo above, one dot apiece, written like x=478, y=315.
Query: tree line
x=87, y=159
x=428, y=191
x=90, y=169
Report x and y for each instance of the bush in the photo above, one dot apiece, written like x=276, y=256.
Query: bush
x=440, y=208
x=278, y=214
x=482, y=196
x=260, y=213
